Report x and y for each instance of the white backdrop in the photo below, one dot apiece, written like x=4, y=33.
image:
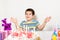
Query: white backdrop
x=43, y=8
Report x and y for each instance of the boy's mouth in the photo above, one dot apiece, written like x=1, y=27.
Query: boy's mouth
x=28, y=17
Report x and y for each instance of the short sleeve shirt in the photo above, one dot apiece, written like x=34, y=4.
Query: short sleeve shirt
x=31, y=25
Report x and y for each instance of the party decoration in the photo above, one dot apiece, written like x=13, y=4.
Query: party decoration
x=54, y=36
x=7, y=26
x=59, y=33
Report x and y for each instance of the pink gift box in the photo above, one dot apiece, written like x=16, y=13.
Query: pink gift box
x=58, y=38
x=3, y=35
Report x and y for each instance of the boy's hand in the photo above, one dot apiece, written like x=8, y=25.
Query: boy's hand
x=47, y=19
x=13, y=20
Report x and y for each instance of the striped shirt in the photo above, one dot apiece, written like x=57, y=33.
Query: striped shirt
x=30, y=25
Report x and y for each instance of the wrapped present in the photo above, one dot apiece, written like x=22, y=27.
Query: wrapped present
x=7, y=26
x=58, y=33
x=29, y=34
x=15, y=34
x=8, y=32
x=58, y=38
x=3, y=35
x=0, y=36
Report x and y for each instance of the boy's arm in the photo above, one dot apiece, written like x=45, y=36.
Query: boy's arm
x=41, y=27
x=16, y=23
x=18, y=27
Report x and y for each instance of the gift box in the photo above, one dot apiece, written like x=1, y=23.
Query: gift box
x=0, y=36
x=58, y=38
x=3, y=35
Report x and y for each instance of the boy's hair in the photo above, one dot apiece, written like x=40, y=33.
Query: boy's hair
x=30, y=9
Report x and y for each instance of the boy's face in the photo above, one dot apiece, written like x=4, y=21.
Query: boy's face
x=29, y=15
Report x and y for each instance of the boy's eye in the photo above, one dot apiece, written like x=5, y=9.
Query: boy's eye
x=29, y=14
x=26, y=14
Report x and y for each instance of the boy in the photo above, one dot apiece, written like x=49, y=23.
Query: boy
x=30, y=21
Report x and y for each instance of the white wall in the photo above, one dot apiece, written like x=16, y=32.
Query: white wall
x=43, y=9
